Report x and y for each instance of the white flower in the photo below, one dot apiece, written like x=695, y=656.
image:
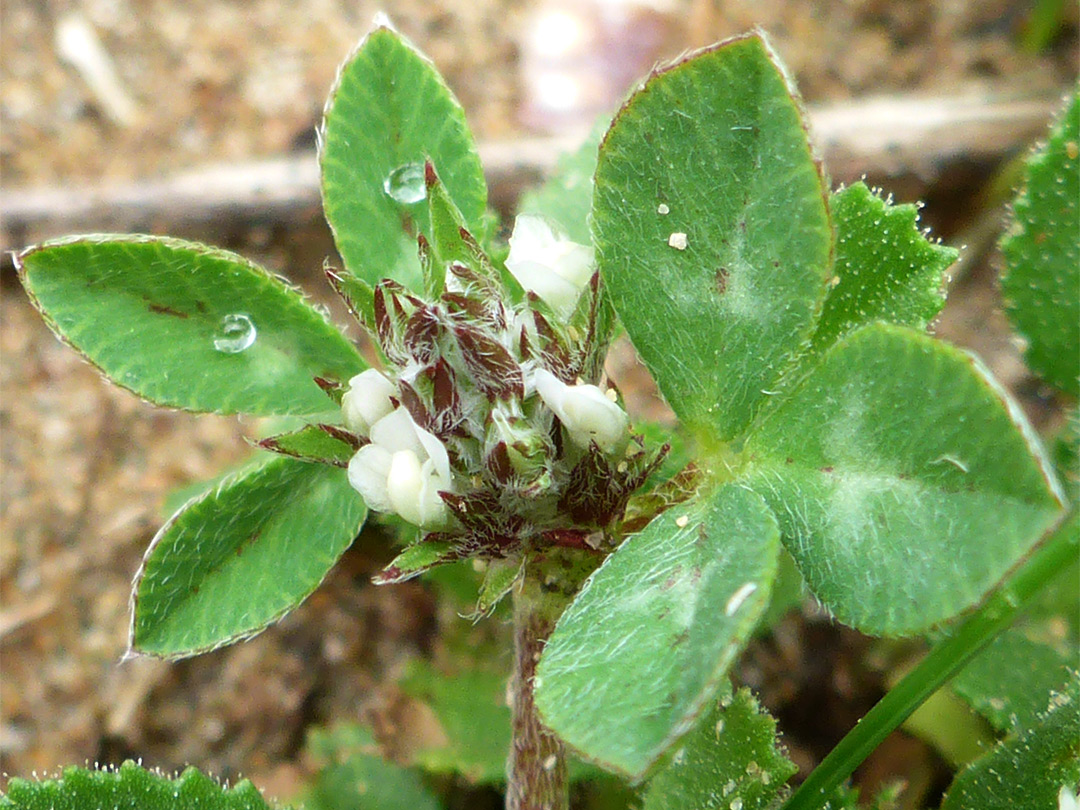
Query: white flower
x=403, y=470
x=367, y=401
x=584, y=410
x=1067, y=799
x=414, y=490
x=547, y=263
x=368, y=471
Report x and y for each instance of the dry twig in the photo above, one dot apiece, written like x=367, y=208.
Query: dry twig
x=881, y=138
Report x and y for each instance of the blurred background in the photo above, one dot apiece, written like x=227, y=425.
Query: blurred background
x=197, y=118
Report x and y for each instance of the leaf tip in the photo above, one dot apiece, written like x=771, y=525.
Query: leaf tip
x=382, y=21
x=431, y=177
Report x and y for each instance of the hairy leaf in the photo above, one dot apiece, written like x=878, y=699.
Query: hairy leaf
x=354, y=776
x=358, y=295
x=499, y=578
x=185, y=325
x=389, y=112
x=1031, y=767
x=886, y=270
x=242, y=556
x=1009, y=681
x=129, y=787
x=731, y=759
x=324, y=444
x=905, y=482
x=1042, y=254
x=638, y=654
x=711, y=229
x=418, y=558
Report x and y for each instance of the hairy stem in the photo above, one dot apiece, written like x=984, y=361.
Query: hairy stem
x=536, y=768
x=997, y=613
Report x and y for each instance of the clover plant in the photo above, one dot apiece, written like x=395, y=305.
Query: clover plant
x=785, y=323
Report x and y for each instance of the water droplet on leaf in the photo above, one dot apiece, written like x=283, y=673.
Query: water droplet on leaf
x=405, y=184
x=236, y=333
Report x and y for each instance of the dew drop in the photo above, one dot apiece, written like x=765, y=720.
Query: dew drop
x=405, y=184
x=236, y=333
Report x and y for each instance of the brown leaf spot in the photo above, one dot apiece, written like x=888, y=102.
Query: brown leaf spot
x=720, y=280
x=161, y=309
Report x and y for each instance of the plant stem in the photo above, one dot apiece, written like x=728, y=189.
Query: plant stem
x=536, y=768
x=1058, y=549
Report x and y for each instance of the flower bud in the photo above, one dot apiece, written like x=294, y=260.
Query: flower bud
x=548, y=263
x=413, y=489
x=527, y=451
x=368, y=472
x=367, y=401
x=586, y=413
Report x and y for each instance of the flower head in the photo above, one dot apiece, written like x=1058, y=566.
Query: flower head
x=473, y=434
x=546, y=262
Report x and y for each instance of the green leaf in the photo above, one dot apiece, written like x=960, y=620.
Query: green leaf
x=130, y=788
x=640, y=651
x=1042, y=253
x=242, y=556
x=731, y=759
x=905, y=481
x=566, y=196
x=389, y=112
x=185, y=325
x=353, y=776
x=1066, y=452
x=787, y=593
x=358, y=295
x=499, y=579
x=886, y=270
x=324, y=444
x=471, y=709
x=717, y=142
x=416, y=559
x=447, y=226
x=1028, y=768
x=1009, y=681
